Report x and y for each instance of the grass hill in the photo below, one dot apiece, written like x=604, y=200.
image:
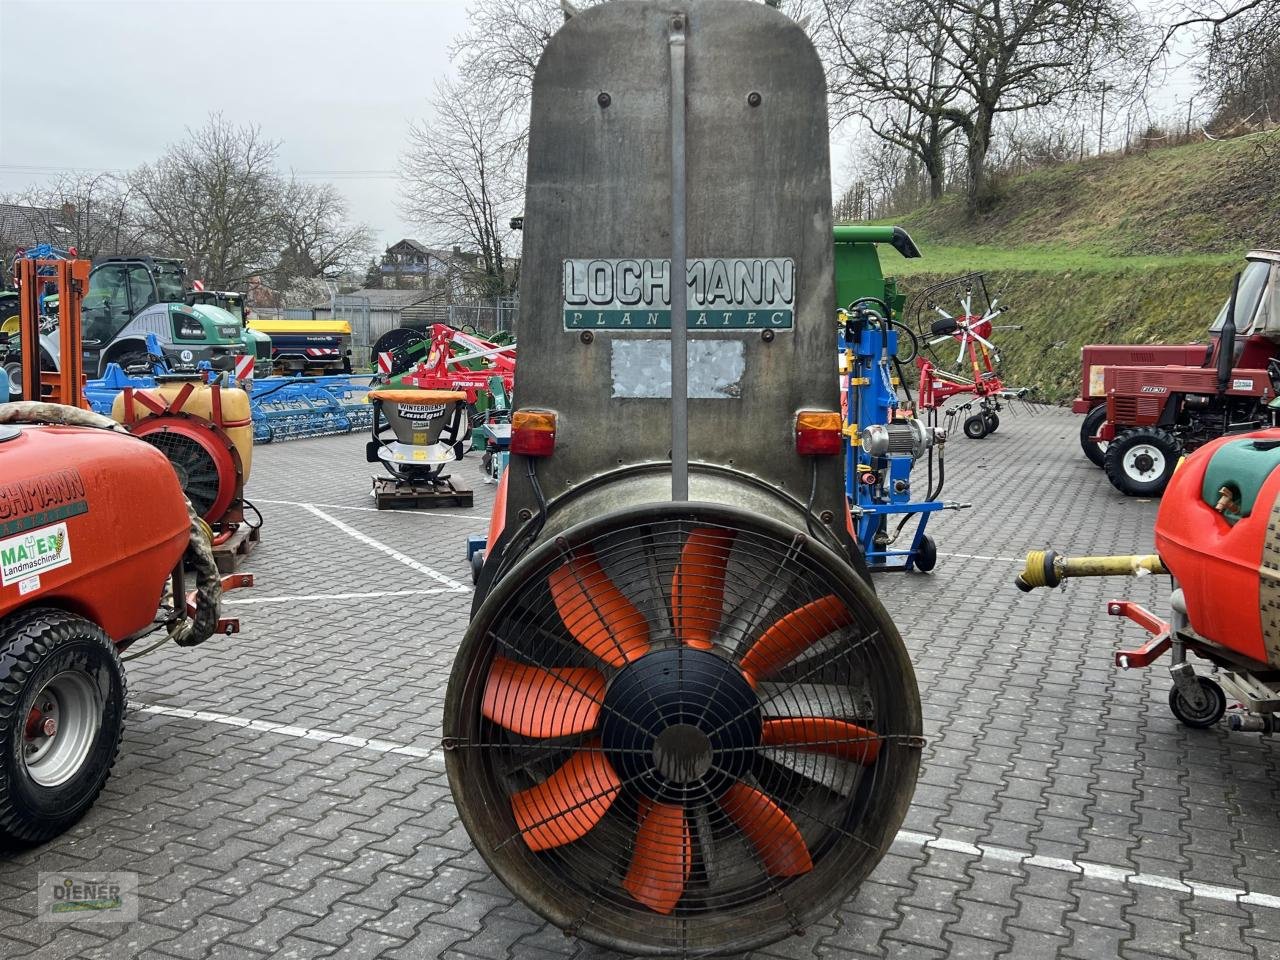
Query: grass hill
x=1115, y=249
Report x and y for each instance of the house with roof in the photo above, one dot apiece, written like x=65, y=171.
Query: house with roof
x=409, y=264
x=23, y=226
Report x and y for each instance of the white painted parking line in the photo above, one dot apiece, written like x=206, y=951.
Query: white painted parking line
x=1098, y=871
x=974, y=556
x=416, y=514
x=295, y=733
x=303, y=597
x=391, y=552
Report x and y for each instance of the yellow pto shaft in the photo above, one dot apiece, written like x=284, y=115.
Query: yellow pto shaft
x=1046, y=569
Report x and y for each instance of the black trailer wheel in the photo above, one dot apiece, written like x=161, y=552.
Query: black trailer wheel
x=1095, y=450
x=975, y=427
x=62, y=701
x=1207, y=715
x=1140, y=461
x=927, y=555
x=477, y=563
x=992, y=420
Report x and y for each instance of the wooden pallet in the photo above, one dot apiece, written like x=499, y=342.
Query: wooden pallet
x=392, y=494
x=231, y=553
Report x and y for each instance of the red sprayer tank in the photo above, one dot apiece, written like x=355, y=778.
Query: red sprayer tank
x=90, y=521
x=1228, y=563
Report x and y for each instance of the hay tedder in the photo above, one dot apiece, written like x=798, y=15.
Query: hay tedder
x=970, y=331
x=680, y=722
x=1218, y=535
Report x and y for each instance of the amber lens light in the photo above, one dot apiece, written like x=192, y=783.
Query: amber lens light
x=533, y=433
x=818, y=433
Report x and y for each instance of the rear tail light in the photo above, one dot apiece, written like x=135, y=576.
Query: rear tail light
x=819, y=433
x=533, y=433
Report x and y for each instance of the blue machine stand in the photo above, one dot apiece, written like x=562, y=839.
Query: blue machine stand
x=883, y=441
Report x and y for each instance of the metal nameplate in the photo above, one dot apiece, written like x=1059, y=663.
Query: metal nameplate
x=724, y=293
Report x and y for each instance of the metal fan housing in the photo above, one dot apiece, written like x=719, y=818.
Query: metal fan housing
x=713, y=808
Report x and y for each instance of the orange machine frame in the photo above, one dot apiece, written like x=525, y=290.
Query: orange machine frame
x=71, y=279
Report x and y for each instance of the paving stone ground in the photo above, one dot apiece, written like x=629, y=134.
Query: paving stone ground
x=1061, y=811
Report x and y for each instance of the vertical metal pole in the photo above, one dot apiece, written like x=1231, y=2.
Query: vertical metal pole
x=679, y=283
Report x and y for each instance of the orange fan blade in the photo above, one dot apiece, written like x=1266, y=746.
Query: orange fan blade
x=848, y=741
x=662, y=859
x=697, y=589
x=798, y=630
x=568, y=803
x=597, y=613
x=773, y=834
x=533, y=702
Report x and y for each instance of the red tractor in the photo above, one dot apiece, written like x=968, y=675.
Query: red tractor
x=1146, y=406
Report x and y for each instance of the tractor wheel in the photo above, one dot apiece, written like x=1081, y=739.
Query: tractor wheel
x=14, y=369
x=1140, y=461
x=62, y=701
x=927, y=555
x=133, y=358
x=1095, y=450
x=992, y=420
x=975, y=428
x=1204, y=717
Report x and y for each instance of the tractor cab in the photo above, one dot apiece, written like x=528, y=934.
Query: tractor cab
x=1257, y=316
x=130, y=297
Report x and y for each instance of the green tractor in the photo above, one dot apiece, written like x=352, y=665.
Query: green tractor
x=130, y=297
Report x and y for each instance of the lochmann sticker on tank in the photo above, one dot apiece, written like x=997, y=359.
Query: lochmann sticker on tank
x=41, y=500
x=33, y=553
x=736, y=293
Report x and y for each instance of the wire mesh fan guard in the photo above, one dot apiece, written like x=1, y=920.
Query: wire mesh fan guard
x=196, y=469
x=682, y=730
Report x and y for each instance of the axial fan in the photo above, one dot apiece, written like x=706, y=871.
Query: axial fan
x=682, y=729
x=205, y=459
x=206, y=433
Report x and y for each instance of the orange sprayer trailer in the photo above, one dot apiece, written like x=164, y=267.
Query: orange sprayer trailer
x=94, y=529
x=1217, y=535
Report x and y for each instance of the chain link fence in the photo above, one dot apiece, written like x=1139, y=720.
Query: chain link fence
x=496, y=316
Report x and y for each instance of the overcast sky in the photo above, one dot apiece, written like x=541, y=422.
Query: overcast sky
x=118, y=80
x=336, y=82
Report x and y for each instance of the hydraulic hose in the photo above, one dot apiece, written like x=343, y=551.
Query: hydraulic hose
x=1044, y=568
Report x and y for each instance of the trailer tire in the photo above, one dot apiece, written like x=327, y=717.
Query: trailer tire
x=1095, y=450
x=1140, y=461
x=975, y=427
x=992, y=420
x=55, y=666
x=1199, y=719
x=926, y=557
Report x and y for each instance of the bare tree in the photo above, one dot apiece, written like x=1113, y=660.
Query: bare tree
x=213, y=200
x=889, y=67
x=461, y=180
x=89, y=212
x=919, y=70
x=319, y=241
x=1014, y=56
x=1241, y=71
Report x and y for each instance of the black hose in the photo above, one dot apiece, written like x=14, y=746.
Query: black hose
x=258, y=513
